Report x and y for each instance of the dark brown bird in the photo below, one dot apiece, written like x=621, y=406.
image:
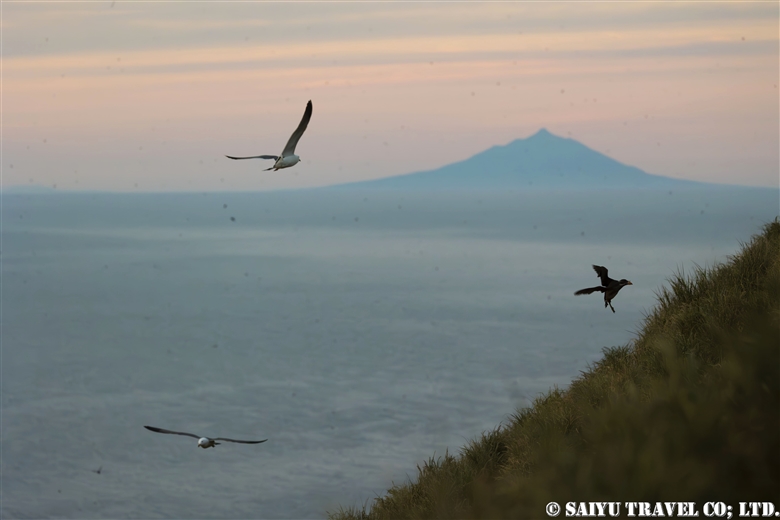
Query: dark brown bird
x=608, y=286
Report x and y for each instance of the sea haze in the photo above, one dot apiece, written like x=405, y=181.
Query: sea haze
x=361, y=332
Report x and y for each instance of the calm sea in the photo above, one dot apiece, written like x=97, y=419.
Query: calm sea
x=360, y=332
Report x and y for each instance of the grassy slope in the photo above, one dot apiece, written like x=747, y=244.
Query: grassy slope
x=689, y=411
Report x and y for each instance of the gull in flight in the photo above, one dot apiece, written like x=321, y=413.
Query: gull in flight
x=288, y=157
x=203, y=442
x=608, y=286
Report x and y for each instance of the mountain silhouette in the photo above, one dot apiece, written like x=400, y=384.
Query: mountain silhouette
x=541, y=160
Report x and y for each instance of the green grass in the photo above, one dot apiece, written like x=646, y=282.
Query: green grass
x=688, y=411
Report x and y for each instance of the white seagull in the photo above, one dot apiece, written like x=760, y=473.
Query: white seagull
x=203, y=442
x=288, y=157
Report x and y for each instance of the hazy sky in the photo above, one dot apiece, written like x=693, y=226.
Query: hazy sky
x=151, y=96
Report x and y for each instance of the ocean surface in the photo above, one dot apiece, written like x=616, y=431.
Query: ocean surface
x=359, y=332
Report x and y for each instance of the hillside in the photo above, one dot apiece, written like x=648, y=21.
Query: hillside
x=689, y=411
x=541, y=160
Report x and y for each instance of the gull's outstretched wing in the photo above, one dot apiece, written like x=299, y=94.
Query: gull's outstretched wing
x=289, y=148
x=601, y=272
x=160, y=430
x=242, y=442
x=274, y=157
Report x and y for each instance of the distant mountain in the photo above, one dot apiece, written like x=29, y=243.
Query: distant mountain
x=542, y=160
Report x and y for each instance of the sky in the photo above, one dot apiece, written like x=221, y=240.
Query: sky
x=150, y=96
